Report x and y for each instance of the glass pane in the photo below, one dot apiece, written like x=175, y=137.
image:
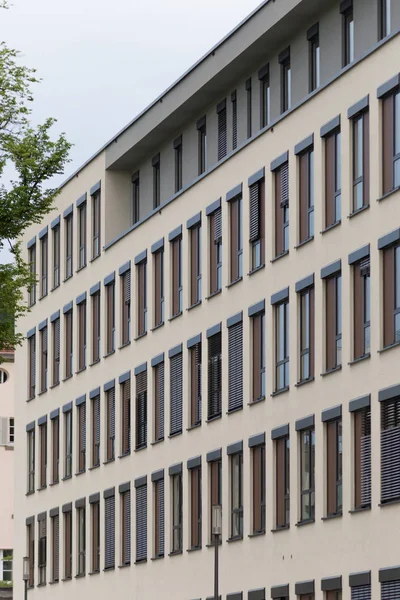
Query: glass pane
x=305, y=366
x=338, y=207
x=351, y=40
x=311, y=223
x=358, y=148
x=311, y=179
x=367, y=340
x=305, y=460
x=280, y=330
x=286, y=238
x=339, y=446
x=339, y=351
x=338, y=174
x=289, y=87
x=367, y=298
x=387, y=10
x=317, y=67
x=280, y=374
x=338, y=305
x=397, y=327
x=397, y=123
x=397, y=276
x=358, y=195
x=397, y=173
x=286, y=374
x=305, y=321
x=256, y=254
x=305, y=507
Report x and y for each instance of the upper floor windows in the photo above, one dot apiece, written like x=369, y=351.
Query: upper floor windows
x=384, y=18
x=334, y=467
x=391, y=141
x=32, y=269
x=257, y=222
x=142, y=297
x=282, y=344
x=156, y=180
x=222, y=130
x=333, y=304
x=195, y=263
x=346, y=8
x=177, y=275
x=96, y=213
x=306, y=195
x=82, y=235
x=236, y=238
x=234, y=120
x=360, y=126
x=68, y=228
x=333, y=178
x=126, y=307
x=286, y=80
x=362, y=308
x=307, y=318
x=314, y=57
x=265, y=96
x=215, y=238
x=202, y=144
x=249, y=107
x=44, y=260
x=178, y=151
x=282, y=209
x=135, y=198
x=56, y=256
x=391, y=295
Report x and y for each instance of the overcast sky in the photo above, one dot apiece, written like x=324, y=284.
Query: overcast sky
x=103, y=61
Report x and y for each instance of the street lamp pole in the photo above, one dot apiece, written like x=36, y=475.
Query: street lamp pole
x=25, y=574
x=216, y=530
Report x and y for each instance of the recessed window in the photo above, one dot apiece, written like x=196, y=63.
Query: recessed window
x=3, y=376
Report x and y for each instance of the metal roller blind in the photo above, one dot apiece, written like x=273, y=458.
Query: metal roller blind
x=365, y=267
x=222, y=134
x=127, y=526
x=127, y=286
x=141, y=410
x=160, y=516
x=57, y=340
x=176, y=394
x=160, y=401
x=365, y=458
x=255, y=212
x=109, y=533
x=217, y=216
x=390, y=590
x=361, y=592
x=234, y=125
x=284, y=181
x=214, y=376
x=141, y=523
x=111, y=414
x=235, y=366
x=390, y=450
x=56, y=547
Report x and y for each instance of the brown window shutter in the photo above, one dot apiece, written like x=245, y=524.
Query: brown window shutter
x=304, y=192
x=126, y=417
x=366, y=158
x=215, y=467
x=194, y=261
x=194, y=475
x=140, y=299
x=234, y=240
x=157, y=288
x=331, y=440
x=67, y=548
x=279, y=242
x=358, y=312
x=31, y=552
x=195, y=384
x=388, y=296
x=141, y=410
x=387, y=143
x=280, y=482
x=330, y=180
x=257, y=489
x=330, y=323
x=95, y=537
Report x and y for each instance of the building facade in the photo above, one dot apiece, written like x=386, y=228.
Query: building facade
x=216, y=322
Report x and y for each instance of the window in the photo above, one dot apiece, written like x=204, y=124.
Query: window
x=334, y=467
x=135, y=198
x=55, y=448
x=158, y=375
x=195, y=506
x=222, y=130
x=362, y=308
x=390, y=437
x=96, y=220
x=11, y=430
x=202, y=144
x=361, y=592
x=42, y=548
x=282, y=209
x=43, y=358
x=110, y=317
x=56, y=350
x=55, y=547
x=81, y=437
x=333, y=291
x=141, y=522
x=109, y=530
x=235, y=363
x=68, y=343
x=384, y=18
x=314, y=57
x=159, y=517
x=141, y=407
x=265, y=96
x=248, y=107
x=389, y=589
x=126, y=527
x=31, y=460
x=176, y=501
x=110, y=424
x=286, y=80
x=215, y=251
x=282, y=346
x=32, y=270
x=126, y=307
x=214, y=376
x=56, y=256
x=258, y=488
x=282, y=465
x=362, y=458
x=156, y=180
x=159, y=287
x=6, y=432
x=236, y=493
x=178, y=163
x=234, y=120
x=95, y=431
x=236, y=235
x=257, y=224
x=6, y=566
x=126, y=417
x=176, y=390
x=307, y=325
x=177, y=291
x=81, y=541
x=195, y=384
x=360, y=161
x=68, y=444
x=142, y=297
x=391, y=295
x=68, y=245
x=43, y=455
x=391, y=141
x=82, y=235
x=82, y=335
x=95, y=523
x=306, y=194
x=30, y=530
x=333, y=179
x=258, y=351
x=348, y=35
x=215, y=474
x=307, y=483
x=44, y=260
x=195, y=264
x=96, y=327
x=333, y=595
x=68, y=544
x=32, y=366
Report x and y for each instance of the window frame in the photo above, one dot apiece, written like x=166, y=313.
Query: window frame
x=306, y=194
x=177, y=276
x=82, y=236
x=126, y=300
x=178, y=154
x=334, y=468
x=159, y=286
x=333, y=321
x=362, y=423
x=81, y=540
x=215, y=251
x=44, y=265
x=31, y=460
x=110, y=317
x=96, y=224
x=249, y=111
x=69, y=238
x=236, y=507
x=195, y=264
x=195, y=507
x=141, y=276
x=202, y=146
x=156, y=164
x=82, y=335
x=95, y=537
x=307, y=492
x=286, y=82
x=348, y=36
x=282, y=491
x=282, y=320
x=96, y=327
x=306, y=334
x=360, y=152
x=258, y=489
x=176, y=513
x=236, y=239
x=55, y=449
x=314, y=62
x=68, y=444
x=69, y=343
x=135, y=198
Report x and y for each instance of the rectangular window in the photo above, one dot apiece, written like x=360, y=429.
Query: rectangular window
x=68, y=444
x=159, y=287
x=234, y=120
x=141, y=410
x=110, y=425
x=56, y=351
x=126, y=307
x=257, y=224
x=95, y=523
x=82, y=437
x=159, y=517
x=142, y=297
x=362, y=308
x=176, y=394
x=348, y=36
x=235, y=366
x=176, y=501
x=96, y=317
x=314, y=57
x=82, y=336
x=265, y=97
x=391, y=142
x=31, y=460
x=202, y=145
x=126, y=417
x=44, y=260
x=11, y=430
x=68, y=246
x=391, y=295
x=141, y=523
x=68, y=545
x=156, y=180
x=56, y=256
x=306, y=194
x=195, y=507
x=30, y=531
x=55, y=449
x=236, y=239
x=362, y=458
x=333, y=291
x=307, y=475
x=334, y=467
x=81, y=541
x=360, y=126
x=43, y=455
x=258, y=352
x=32, y=270
x=307, y=327
x=390, y=438
x=42, y=550
x=282, y=210
x=258, y=488
x=126, y=527
x=178, y=164
x=286, y=80
x=32, y=366
x=195, y=384
x=282, y=346
x=195, y=264
x=384, y=19
x=95, y=431
x=55, y=548
x=222, y=130
x=109, y=532
x=110, y=317
x=43, y=359
x=177, y=290
x=135, y=198
x=249, y=107
x=82, y=236
x=215, y=251
x=68, y=323
x=333, y=179
x=158, y=375
x=96, y=221
x=333, y=595
x=215, y=474
x=282, y=465
x=236, y=493
x=214, y=376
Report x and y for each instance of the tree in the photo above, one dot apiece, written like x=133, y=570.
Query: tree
x=34, y=157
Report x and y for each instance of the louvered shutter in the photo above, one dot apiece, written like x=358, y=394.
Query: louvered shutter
x=390, y=590
x=141, y=410
x=234, y=124
x=160, y=402
x=127, y=527
x=127, y=280
x=96, y=432
x=284, y=181
x=217, y=216
x=365, y=267
x=82, y=434
x=109, y=538
x=222, y=134
x=214, y=376
x=197, y=351
x=56, y=547
x=160, y=518
x=126, y=417
x=390, y=451
x=141, y=523
x=111, y=423
x=361, y=592
x=365, y=458
x=255, y=212
x=176, y=394
x=57, y=351
x=235, y=366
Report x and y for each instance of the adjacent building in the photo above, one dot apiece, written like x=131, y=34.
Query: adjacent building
x=216, y=321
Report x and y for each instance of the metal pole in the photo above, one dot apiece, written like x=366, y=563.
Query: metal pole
x=26, y=589
x=216, y=537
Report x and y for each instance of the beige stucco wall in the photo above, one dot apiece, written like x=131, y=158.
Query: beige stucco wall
x=7, y=391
